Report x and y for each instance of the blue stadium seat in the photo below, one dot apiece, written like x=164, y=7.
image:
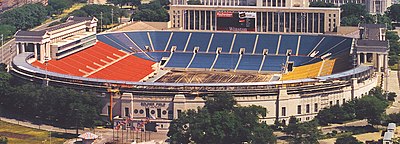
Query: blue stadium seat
x=307, y=43
x=288, y=42
x=244, y=41
x=113, y=43
x=203, y=60
x=179, y=60
x=159, y=39
x=120, y=37
x=223, y=40
x=179, y=40
x=300, y=60
x=250, y=62
x=267, y=41
x=227, y=61
x=157, y=56
x=199, y=39
x=273, y=63
x=143, y=56
x=328, y=43
x=342, y=47
x=140, y=38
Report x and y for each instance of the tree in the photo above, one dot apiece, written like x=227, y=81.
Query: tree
x=353, y=14
x=352, y=9
x=96, y=10
x=3, y=140
x=194, y=2
x=221, y=123
x=394, y=118
x=321, y=4
x=371, y=108
x=25, y=17
x=124, y=2
x=347, y=139
x=391, y=96
x=393, y=12
x=7, y=30
x=57, y=6
x=154, y=11
x=302, y=133
x=49, y=103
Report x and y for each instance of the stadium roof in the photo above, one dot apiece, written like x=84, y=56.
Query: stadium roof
x=31, y=33
x=369, y=43
x=21, y=62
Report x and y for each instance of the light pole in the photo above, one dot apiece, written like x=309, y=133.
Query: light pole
x=19, y=109
x=112, y=17
x=37, y=118
x=2, y=51
x=101, y=21
x=76, y=123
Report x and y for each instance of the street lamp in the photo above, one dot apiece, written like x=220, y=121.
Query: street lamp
x=37, y=118
x=76, y=124
x=19, y=109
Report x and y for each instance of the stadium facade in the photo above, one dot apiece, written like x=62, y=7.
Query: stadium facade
x=160, y=74
x=372, y=6
x=280, y=16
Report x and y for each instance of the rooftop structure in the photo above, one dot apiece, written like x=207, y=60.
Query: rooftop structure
x=372, y=47
x=58, y=41
x=372, y=6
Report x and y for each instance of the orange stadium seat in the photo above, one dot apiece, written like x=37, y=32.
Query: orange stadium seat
x=130, y=68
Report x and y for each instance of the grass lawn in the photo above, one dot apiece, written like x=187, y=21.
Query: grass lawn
x=23, y=135
x=76, y=6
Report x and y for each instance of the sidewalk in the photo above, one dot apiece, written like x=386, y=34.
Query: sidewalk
x=41, y=127
x=393, y=86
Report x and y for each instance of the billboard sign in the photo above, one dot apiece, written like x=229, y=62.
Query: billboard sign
x=236, y=21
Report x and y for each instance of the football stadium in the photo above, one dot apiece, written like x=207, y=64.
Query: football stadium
x=160, y=74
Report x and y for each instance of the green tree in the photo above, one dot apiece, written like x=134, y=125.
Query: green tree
x=194, y=2
x=96, y=10
x=230, y=125
x=352, y=9
x=394, y=118
x=353, y=14
x=302, y=133
x=124, y=2
x=393, y=12
x=25, y=17
x=7, y=30
x=321, y=4
x=347, y=139
x=391, y=96
x=394, y=47
x=57, y=6
x=52, y=105
x=154, y=11
x=371, y=108
x=3, y=140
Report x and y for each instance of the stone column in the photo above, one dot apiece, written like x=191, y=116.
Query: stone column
x=179, y=104
x=358, y=58
x=17, y=45
x=365, y=57
x=23, y=47
x=42, y=54
x=385, y=62
x=35, y=50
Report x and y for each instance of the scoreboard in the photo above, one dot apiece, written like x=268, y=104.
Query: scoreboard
x=236, y=21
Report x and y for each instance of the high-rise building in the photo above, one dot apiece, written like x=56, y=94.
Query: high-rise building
x=372, y=6
x=287, y=16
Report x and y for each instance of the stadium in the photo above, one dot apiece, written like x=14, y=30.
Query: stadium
x=160, y=74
